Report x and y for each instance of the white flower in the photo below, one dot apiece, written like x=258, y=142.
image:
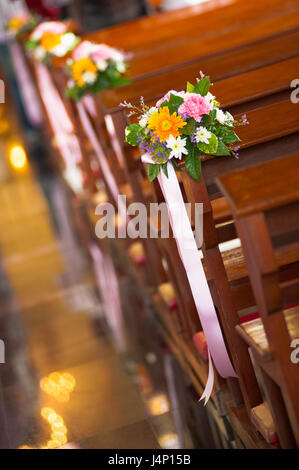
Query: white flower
x=210, y=97
x=127, y=132
x=89, y=77
x=39, y=53
x=220, y=116
x=144, y=118
x=224, y=118
x=121, y=67
x=202, y=135
x=177, y=147
x=60, y=50
x=102, y=65
x=117, y=56
x=69, y=40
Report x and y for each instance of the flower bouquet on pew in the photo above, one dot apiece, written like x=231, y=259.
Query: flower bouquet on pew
x=95, y=67
x=51, y=39
x=22, y=24
x=183, y=124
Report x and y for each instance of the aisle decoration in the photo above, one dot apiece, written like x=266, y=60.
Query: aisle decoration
x=22, y=24
x=51, y=39
x=183, y=125
x=94, y=67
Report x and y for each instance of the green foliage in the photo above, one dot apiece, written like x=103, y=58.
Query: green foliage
x=222, y=149
x=192, y=161
x=202, y=86
x=174, y=103
x=153, y=171
x=131, y=134
x=211, y=147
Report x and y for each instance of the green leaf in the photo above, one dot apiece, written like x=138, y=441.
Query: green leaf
x=174, y=103
x=153, y=171
x=192, y=162
x=211, y=147
x=222, y=149
x=131, y=134
x=188, y=129
x=190, y=87
x=228, y=135
x=165, y=170
x=202, y=87
x=30, y=44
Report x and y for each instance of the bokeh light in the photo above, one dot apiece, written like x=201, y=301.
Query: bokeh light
x=17, y=157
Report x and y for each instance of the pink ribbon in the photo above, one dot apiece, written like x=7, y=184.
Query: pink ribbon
x=26, y=87
x=198, y=283
x=108, y=286
x=60, y=121
x=88, y=105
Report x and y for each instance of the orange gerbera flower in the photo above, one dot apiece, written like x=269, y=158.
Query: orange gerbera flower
x=165, y=124
x=80, y=67
x=50, y=40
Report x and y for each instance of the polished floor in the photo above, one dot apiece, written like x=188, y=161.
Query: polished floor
x=63, y=384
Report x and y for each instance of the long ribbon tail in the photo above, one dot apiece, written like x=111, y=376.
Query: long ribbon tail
x=198, y=283
x=210, y=382
x=60, y=121
x=26, y=86
x=109, y=178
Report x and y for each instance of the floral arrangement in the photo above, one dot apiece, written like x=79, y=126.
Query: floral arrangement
x=51, y=38
x=183, y=124
x=94, y=67
x=21, y=24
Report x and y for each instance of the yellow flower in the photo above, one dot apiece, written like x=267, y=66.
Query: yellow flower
x=15, y=24
x=163, y=124
x=80, y=67
x=50, y=40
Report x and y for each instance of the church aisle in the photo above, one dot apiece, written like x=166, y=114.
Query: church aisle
x=95, y=403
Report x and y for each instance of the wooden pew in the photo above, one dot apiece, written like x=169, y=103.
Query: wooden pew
x=261, y=198
x=191, y=22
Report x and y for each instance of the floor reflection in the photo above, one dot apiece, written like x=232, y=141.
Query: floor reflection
x=63, y=384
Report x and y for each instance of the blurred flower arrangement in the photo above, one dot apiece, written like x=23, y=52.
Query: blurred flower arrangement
x=22, y=24
x=51, y=38
x=183, y=124
x=94, y=67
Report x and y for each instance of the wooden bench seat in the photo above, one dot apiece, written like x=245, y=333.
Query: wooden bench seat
x=254, y=334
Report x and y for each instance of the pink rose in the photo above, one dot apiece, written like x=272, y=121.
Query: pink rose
x=83, y=50
x=101, y=52
x=54, y=27
x=194, y=106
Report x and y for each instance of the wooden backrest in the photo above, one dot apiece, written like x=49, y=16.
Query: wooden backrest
x=195, y=21
x=265, y=203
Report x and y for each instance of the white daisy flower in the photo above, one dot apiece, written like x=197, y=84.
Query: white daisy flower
x=102, y=64
x=177, y=147
x=145, y=117
x=69, y=40
x=224, y=118
x=60, y=50
x=89, y=77
x=202, y=135
x=121, y=67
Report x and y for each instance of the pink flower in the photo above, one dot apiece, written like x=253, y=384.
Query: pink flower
x=101, y=52
x=167, y=96
x=83, y=50
x=54, y=27
x=194, y=106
